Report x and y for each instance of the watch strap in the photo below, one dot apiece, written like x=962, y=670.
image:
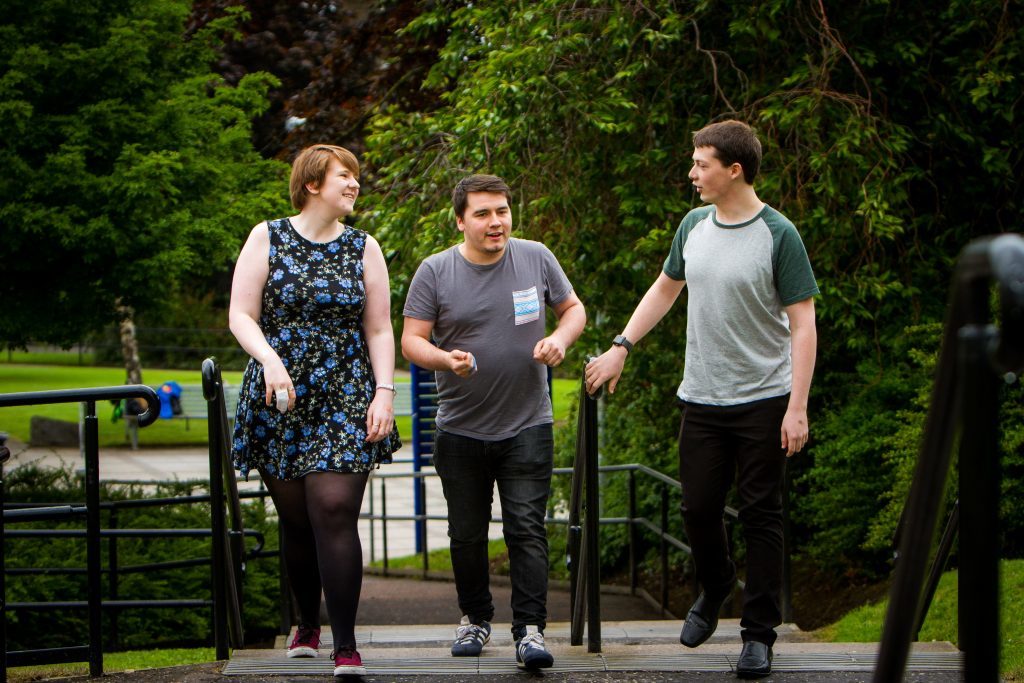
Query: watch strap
x=620, y=340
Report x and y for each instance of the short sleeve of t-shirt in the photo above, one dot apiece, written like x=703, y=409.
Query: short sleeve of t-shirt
x=794, y=277
x=675, y=264
x=421, y=301
x=559, y=286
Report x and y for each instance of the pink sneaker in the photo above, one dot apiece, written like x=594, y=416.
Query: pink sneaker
x=347, y=662
x=305, y=642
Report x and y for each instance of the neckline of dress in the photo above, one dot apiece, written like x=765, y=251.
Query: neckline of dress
x=295, y=231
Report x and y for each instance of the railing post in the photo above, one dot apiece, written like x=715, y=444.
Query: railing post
x=576, y=541
x=418, y=501
x=92, y=516
x=979, y=491
x=632, y=533
x=421, y=524
x=218, y=573
x=113, y=577
x=384, y=520
x=283, y=585
x=964, y=397
x=949, y=535
x=5, y=454
x=373, y=550
x=787, y=564
x=593, y=528
x=663, y=547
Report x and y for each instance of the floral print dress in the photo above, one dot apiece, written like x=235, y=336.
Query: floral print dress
x=312, y=316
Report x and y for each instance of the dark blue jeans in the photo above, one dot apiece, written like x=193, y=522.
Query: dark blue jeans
x=521, y=466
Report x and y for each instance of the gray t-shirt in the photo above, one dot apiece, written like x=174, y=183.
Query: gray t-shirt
x=740, y=279
x=497, y=313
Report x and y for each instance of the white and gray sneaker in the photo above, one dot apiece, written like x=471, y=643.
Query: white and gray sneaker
x=470, y=638
x=530, y=650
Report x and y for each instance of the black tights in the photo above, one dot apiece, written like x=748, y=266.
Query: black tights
x=319, y=514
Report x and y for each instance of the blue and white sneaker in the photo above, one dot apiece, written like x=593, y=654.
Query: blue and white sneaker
x=470, y=638
x=530, y=650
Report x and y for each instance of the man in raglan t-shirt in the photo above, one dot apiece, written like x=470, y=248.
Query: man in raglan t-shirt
x=475, y=314
x=750, y=348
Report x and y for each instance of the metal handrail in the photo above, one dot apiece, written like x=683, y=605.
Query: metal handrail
x=582, y=547
x=965, y=399
x=657, y=528
x=90, y=443
x=228, y=552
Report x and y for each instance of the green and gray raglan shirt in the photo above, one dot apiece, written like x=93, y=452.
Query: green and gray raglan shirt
x=740, y=279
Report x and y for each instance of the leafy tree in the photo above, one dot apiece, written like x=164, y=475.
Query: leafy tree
x=336, y=62
x=888, y=142
x=128, y=164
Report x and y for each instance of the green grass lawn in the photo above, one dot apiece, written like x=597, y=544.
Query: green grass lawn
x=113, y=662
x=865, y=623
x=22, y=377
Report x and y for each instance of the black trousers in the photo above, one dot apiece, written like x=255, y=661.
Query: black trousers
x=718, y=444
x=521, y=466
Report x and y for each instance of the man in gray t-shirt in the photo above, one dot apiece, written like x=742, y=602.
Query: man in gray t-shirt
x=475, y=314
x=750, y=347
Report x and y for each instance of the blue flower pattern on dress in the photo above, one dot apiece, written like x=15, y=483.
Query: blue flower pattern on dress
x=312, y=312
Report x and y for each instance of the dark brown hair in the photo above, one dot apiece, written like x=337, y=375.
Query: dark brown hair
x=477, y=183
x=735, y=143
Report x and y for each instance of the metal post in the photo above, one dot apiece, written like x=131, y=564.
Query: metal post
x=787, y=564
x=421, y=525
x=979, y=491
x=92, y=516
x=949, y=535
x=218, y=576
x=114, y=636
x=5, y=453
x=284, y=587
x=663, y=544
x=632, y=533
x=593, y=502
x=384, y=520
x=373, y=551
x=417, y=455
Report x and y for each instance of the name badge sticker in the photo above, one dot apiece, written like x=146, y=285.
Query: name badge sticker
x=527, y=305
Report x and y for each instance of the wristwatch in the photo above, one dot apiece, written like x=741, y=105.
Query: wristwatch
x=620, y=340
x=389, y=387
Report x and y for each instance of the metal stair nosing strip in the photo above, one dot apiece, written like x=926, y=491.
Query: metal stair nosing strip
x=918, y=661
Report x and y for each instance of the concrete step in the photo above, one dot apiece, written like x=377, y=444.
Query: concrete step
x=625, y=646
x=623, y=632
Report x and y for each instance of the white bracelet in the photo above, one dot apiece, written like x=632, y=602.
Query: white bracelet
x=389, y=387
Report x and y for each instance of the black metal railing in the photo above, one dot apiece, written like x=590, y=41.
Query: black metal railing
x=226, y=519
x=93, y=652
x=585, y=480
x=583, y=545
x=976, y=355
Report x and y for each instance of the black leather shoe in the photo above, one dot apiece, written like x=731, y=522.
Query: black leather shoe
x=755, y=660
x=701, y=621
